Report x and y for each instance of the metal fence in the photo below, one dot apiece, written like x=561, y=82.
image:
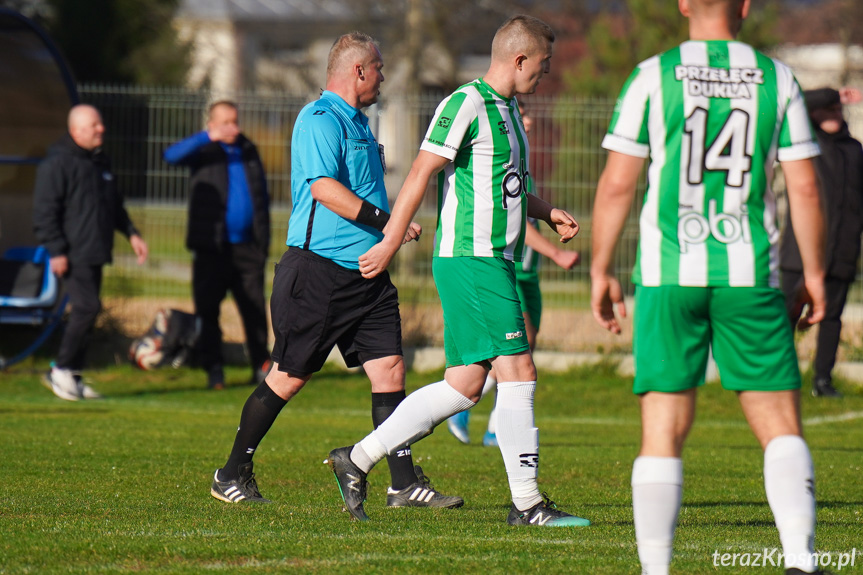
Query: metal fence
x=141, y=122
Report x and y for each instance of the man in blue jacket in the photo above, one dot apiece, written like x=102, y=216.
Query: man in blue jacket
x=228, y=234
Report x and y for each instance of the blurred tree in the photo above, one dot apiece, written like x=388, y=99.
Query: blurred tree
x=619, y=37
x=847, y=20
x=35, y=9
x=121, y=41
x=431, y=36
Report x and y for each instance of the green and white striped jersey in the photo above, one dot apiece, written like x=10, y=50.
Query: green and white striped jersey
x=713, y=116
x=481, y=203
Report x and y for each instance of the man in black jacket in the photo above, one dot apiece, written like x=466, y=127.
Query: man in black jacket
x=228, y=234
x=76, y=209
x=840, y=171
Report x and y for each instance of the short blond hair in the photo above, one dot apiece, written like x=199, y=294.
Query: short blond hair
x=219, y=103
x=726, y=8
x=350, y=45
x=521, y=33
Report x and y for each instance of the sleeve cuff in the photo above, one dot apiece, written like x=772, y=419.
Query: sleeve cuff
x=443, y=151
x=798, y=152
x=626, y=146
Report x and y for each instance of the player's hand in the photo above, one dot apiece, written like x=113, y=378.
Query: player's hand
x=59, y=265
x=567, y=259
x=223, y=133
x=376, y=260
x=605, y=294
x=413, y=233
x=139, y=246
x=811, y=296
x=849, y=95
x=564, y=224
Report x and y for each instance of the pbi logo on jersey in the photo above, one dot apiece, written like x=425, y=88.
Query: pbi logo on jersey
x=528, y=459
x=695, y=228
x=514, y=334
x=503, y=128
x=444, y=122
x=514, y=182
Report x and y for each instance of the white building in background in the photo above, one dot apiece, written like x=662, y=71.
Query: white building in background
x=282, y=45
x=260, y=45
x=822, y=66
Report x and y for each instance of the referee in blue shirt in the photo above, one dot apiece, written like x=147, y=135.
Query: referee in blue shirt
x=228, y=234
x=320, y=299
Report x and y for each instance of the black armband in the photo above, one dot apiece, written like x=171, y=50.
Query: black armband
x=373, y=217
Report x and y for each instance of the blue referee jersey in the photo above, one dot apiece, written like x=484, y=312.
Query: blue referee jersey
x=332, y=140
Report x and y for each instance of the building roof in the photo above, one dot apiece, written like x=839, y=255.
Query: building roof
x=265, y=10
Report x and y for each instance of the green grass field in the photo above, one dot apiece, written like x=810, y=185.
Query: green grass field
x=122, y=484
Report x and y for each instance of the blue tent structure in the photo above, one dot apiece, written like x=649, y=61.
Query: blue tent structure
x=37, y=89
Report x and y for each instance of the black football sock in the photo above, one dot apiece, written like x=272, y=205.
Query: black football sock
x=259, y=413
x=401, y=463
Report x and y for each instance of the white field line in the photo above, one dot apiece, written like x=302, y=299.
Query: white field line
x=821, y=419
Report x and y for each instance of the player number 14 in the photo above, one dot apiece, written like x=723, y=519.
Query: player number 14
x=727, y=152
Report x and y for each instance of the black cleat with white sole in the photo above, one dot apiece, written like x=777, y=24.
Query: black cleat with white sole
x=351, y=479
x=421, y=494
x=237, y=490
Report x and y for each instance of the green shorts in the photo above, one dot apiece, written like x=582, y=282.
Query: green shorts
x=527, y=285
x=747, y=328
x=481, y=313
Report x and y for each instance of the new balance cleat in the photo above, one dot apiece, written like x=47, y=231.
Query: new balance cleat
x=351, y=480
x=457, y=425
x=62, y=383
x=545, y=514
x=421, y=494
x=236, y=490
x=489, y=439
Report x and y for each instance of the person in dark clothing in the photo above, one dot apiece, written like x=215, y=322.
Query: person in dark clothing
x=76, y=209
x=840, y=171
x=228, y=235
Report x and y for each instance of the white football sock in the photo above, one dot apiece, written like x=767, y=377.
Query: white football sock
x=657, y=485
x=415, y=417
x=518, y=440
x=492, y=419
x=490, y=384
x=790, y=484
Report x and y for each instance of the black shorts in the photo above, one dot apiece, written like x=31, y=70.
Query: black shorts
x=317, y=304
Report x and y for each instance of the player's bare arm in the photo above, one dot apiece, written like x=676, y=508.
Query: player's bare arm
x=559, y=220
x=614, y=196
x=804, y=202
x=376, y=260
